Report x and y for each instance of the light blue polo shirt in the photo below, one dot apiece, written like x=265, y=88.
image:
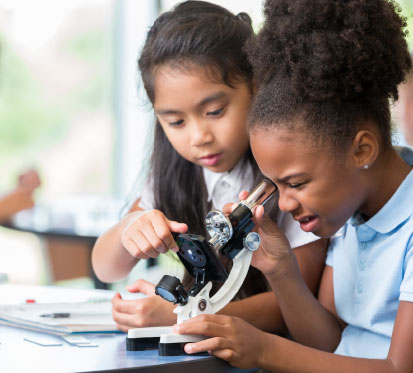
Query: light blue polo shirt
x=373, y=271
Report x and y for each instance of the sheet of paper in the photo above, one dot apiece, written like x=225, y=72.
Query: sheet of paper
x=75, y=339
x=80, y=310
x=78, y=317
x=43, y=341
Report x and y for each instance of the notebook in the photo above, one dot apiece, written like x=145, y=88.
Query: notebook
x=58, y=311
x=60, y=318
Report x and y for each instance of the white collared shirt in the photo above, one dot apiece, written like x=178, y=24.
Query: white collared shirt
x=224, y=187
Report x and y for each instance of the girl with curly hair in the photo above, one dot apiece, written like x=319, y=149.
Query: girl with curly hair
x=320, y=129
x=199, y=80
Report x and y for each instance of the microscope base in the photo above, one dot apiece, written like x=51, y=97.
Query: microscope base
x=140, y=344
x=140, y=339
x=173, y=344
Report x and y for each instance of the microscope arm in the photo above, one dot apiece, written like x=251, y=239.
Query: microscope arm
x=203, y=304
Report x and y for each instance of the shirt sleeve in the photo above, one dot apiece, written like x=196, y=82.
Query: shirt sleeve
x=335, y=240
x=406, y=288
x=146, y=201
x=330, y=254
x=291, y=228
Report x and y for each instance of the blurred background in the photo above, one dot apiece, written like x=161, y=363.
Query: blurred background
x=72, y=108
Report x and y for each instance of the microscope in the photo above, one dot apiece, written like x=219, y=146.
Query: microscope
x=229, y=236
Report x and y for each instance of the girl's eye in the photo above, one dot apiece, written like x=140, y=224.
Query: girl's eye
x=176, y=123
x=297, y=185
x=215, y=113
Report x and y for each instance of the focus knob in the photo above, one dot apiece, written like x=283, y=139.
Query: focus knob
x=252, y=241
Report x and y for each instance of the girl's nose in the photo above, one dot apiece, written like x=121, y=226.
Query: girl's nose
x=286, y=203
x=201, y=134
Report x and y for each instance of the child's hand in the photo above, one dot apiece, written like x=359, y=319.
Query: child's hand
x=229, y=207
x=274, y=248
x=272, y=257
x=232, y=339
x=146, y=234
x=149, y=311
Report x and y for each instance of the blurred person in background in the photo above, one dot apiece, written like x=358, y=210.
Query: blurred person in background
x=21, y=197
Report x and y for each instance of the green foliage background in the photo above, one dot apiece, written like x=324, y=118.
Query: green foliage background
x=32, y=118
x=407, y=11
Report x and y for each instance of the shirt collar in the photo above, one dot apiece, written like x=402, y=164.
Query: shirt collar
x=232, y=177
x=397, y=209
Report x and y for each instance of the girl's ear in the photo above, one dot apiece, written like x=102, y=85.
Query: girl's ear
x=365, y=148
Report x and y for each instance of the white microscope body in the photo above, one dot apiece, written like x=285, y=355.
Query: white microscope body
x=231, y=237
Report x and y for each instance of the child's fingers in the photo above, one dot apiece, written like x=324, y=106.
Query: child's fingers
x=161, y=227
x=203, y=325
x=142, y=286
x=264, y=222
x=243, y=195
x=120, y=310
x=124, y=307
x=229, y=207
x=125, y=320
x=150, y=231
x=226, y=354
x=155, y=236
x=143, y=246
x=259, y=212
x=133, y=248
x=175, y=227
x=118, y=303
x=123, y=312
x=123, y=328
x=212, y=345
x=132, y=313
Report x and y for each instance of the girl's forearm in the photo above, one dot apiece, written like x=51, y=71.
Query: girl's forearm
x=283, y=355
x=111, y=261
x=306, y=319
x=261, y=311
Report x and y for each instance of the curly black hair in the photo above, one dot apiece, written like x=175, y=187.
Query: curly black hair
x=332, y=64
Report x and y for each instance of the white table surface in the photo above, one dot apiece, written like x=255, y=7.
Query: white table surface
x=20, y=356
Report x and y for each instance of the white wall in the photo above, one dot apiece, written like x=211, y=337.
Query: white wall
x=132, y=117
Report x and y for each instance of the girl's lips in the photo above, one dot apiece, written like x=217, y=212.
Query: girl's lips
x=309, y=224
x=211, y=160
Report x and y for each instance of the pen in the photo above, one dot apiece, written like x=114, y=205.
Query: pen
x=56, y=315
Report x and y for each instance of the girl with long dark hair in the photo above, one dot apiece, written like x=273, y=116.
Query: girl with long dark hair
x=199, y=81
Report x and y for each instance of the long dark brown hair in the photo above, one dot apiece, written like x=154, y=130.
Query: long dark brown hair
x=207, y=35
